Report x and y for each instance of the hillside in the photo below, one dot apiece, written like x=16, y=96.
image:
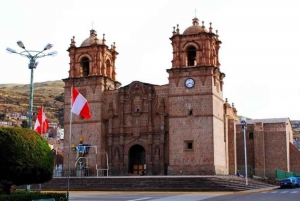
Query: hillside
x=14, y=98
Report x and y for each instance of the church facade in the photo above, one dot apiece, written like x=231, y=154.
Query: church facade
x=182, y=127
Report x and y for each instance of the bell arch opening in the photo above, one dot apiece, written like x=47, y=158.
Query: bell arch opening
x=136, y=160
x=191, y=56
x=85, y=66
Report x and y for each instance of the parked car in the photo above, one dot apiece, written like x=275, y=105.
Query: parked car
x=291, y=182
x=296, y=180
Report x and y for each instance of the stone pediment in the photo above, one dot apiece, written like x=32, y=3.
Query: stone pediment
x=137, y=86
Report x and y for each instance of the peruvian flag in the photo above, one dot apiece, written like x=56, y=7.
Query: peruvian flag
x=80, y=105
x=41, y=123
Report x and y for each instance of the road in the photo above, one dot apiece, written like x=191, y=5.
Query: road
x=137, y=196
x=273, y=195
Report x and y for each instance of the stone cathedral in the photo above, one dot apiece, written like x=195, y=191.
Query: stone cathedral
x=182, y=127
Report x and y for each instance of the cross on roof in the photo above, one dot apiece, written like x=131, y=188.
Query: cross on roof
x=195, y=12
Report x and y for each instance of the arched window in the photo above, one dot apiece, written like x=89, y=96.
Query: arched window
x=85, y=65
x=191, y=56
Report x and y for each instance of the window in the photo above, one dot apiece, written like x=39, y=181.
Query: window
x=251, y=135
x=188, y=145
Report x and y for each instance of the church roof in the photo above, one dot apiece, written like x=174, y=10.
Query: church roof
x=91, y=40
x=267, y=121
x=144, y=83
x=195, y=28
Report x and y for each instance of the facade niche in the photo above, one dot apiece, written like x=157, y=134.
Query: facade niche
x=108, y=68
x=85, y=66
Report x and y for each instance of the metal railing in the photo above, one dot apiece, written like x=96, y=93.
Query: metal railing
x=281, y=174
x=86, y=172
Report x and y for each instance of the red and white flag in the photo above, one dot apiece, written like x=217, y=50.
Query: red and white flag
x=41, y=123
x=80, y=105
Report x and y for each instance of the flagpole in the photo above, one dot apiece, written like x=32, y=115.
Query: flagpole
x=42, y=129
x=70, y=139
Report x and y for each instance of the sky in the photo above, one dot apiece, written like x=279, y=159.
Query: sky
x=259, y=52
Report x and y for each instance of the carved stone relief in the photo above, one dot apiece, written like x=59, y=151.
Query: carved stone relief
x=127, y=107
x=137, y=104
x=144, y=120
x=145, y=106
x=116, y=153
x=156, y=152
x=128, y=121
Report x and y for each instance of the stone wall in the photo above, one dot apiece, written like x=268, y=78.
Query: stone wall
x=267, y=143
x=295, y=158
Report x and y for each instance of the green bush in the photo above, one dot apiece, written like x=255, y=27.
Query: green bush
x=24, y=196
x=26, y=158
x=60, y=97
x=24, y=124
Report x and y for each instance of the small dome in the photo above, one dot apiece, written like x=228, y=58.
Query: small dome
x=91, y=40
x=195, y=29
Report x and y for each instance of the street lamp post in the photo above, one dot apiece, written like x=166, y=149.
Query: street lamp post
x=32, y=56
x=244, y=127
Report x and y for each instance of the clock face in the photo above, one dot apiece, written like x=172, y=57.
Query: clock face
x=189, y=83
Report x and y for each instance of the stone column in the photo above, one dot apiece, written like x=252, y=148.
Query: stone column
x=232, y=163
x=149, y=161
x=110, y=157
x=122, y=102
x=162, y=152
x=149, y=109
x=121, y=146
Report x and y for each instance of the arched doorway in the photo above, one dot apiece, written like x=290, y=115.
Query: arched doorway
x=136, y=159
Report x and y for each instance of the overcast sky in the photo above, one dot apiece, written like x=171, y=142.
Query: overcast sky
x=259, y=52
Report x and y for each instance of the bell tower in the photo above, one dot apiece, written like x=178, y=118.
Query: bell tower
x=93, y=58
x=198, y=141
x=195, y=47
x=93, y=72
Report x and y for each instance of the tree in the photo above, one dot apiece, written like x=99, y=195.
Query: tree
x=24, y=124
x=26, y=158
x=60, y=97
x=2, y=117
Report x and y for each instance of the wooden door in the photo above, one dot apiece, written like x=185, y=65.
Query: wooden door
x=137, y=169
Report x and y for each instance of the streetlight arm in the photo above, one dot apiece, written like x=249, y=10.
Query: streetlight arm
x=21, y=44
x=48, y=46
x=36, y=56
x=11, y=51
x=26, y=53
x=54, y=53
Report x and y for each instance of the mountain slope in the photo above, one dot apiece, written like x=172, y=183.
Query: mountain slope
x=14, y=98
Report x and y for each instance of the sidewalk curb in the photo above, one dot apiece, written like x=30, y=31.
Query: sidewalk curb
x=258, y=190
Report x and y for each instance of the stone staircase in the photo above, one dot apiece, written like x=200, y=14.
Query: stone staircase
x=152, y=183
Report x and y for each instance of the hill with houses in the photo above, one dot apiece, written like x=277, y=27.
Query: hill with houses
x=14, y=101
